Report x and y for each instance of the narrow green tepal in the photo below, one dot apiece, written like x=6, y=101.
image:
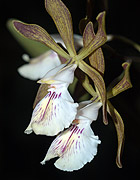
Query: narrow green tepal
x=121, y=83
x=99, y=85
x=119, y=125
x=32, y=47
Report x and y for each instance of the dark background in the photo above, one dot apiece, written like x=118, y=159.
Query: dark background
x=20, y=154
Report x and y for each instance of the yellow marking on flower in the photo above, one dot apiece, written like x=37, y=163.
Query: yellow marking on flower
x=76, y=121
x=46, y=81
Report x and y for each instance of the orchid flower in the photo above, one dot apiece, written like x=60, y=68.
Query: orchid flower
x=54, y=108
x=39, y=66
x=77, y=145
x=63, y=21
x=57, y=109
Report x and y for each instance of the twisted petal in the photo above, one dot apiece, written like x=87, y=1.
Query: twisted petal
x=118, y=122
x=53, y=113
x=37, y=33
x=99, y=40
x=62, y=18
x=96, y=58
x=121, y=83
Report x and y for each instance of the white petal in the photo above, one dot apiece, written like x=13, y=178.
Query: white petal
x=88, y=110
x=51, y=73
x=53, y=113
x=39, y=66
x=61, y=74
x=75, y=147
x=83, y=104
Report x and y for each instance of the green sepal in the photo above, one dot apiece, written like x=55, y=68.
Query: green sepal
x=99, y=85
x=34, y=48
x=121, y=83
x=119, y=125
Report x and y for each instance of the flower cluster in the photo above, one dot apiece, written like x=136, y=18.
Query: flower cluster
x=55, y=112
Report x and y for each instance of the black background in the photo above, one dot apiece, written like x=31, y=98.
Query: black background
x=20, y=154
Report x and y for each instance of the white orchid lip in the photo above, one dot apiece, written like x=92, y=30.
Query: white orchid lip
x=57, y=109
x=77, y=145
x=53, y=113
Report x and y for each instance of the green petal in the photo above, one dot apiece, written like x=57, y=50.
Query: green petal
x=121, y=83
x=98, y=41
x=96, y=58
x=99, y=84
x=118, y=122
x=37, y=33
x=34, y=48
x=62, y=18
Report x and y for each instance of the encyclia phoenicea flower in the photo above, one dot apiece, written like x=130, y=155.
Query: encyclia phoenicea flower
x=54, y=108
